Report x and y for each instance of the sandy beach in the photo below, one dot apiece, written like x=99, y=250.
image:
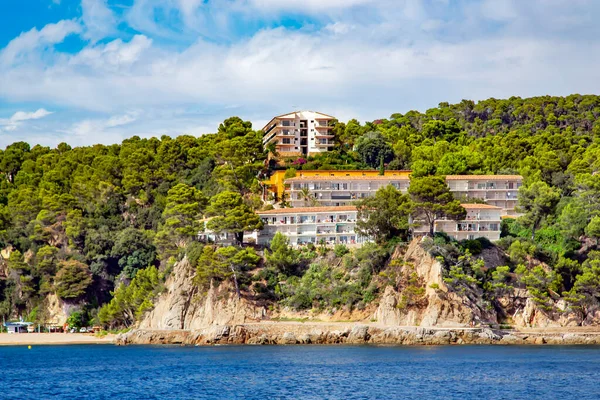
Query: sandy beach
x=15, y=339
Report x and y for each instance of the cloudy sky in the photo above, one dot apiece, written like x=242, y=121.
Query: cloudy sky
x=98, y=71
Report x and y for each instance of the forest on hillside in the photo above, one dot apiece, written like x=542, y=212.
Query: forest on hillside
x=91, y=224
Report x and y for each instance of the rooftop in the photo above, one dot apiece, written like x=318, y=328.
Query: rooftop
x=346, y=178
x=318, y=115
x=306, y=210
x=483, y=177
x=471, y=206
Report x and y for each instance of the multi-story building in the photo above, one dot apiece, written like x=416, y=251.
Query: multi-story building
x=330, y=225
x=276, y=184
x=482, y=220
x=495, y=190
x=340, y=190
x=333, y=189
x=301, y=133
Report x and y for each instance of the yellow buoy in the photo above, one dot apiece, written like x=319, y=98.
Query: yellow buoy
x=29, y=347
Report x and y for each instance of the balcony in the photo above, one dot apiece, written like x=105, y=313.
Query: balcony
x=325, y=143
x=341, y=197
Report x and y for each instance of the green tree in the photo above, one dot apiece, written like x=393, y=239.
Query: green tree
x=131, y=301
x=384, y=215
x=373, y=148
x=592, y=230
x=282, y=256
x=586, y=290
x=432, y=200
x=72, y=279
x=230, y=214
x=224, y=263
x=537, y=201
x=183, y=212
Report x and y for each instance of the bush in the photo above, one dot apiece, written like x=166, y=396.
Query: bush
x=340, y=250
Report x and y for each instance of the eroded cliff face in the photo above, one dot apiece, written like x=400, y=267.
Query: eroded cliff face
x=440, y=306
x=182, y=306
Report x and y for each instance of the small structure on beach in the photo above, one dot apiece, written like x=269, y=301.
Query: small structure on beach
x=18, y=327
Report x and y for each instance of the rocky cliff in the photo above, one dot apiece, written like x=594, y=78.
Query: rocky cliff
x=182, y=306
x=439, y=306
x=427, y=301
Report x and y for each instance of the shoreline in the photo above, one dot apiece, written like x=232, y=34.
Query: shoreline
x=26, y=339
x=291, y=333
x=356, y=333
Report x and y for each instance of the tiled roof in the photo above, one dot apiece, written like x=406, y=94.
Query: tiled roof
x=297, y=210
x=483, y=177
x=348, y=178
x=471, y=206
x=339, y=171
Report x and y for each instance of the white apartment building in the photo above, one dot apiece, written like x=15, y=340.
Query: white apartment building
x=482, y=220
x=333, y=225
x=300, y=133
x=496, y=190
x=329, y=225
x=339, y=191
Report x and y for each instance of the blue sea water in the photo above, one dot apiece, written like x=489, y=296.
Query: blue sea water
x=299, y=372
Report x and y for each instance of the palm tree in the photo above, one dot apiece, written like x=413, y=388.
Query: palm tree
x=308, y=198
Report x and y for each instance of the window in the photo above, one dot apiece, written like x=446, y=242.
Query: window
x=286, y=141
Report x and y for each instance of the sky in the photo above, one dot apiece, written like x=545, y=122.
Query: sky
x=99, y=71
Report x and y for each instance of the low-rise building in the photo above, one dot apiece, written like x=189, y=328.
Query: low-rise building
x=482, y=220
x=333, y=225
x=276, y=184
x=329, y=225
x=336, y=189
x=496, y=190
x=339, y=190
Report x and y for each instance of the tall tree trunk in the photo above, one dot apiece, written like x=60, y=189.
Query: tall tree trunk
x=235, y=281
x=239, y=237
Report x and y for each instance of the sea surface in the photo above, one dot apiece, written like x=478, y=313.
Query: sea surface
x=299, y=372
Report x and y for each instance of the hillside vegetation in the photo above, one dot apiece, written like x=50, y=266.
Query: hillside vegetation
x=80, y=222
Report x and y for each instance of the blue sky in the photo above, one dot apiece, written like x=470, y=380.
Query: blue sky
x=98, y=71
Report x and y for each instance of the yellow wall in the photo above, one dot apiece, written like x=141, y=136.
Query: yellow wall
x=275, y=183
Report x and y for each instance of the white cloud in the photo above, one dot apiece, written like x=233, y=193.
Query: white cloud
x=96, y=128
x=392, y=56
x=99, y=20
x=22, y=46
x=19, y=117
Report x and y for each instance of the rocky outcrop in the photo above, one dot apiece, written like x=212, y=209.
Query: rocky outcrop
x=182, y=306
x=443, y=307
x=288, y=334
x=57, y=311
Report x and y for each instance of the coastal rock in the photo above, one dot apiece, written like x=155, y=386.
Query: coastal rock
x=182, y=306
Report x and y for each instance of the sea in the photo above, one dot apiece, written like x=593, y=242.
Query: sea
x=299, y=372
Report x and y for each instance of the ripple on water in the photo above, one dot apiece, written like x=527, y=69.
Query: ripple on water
x=300, y=372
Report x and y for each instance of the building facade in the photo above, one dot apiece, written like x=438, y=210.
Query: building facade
x=276, y=184
x=316, y=225
x=482, y=220
x=333, y=225
x=339, y=191
x=300, y=133
x=329, y=189
x=496, y=190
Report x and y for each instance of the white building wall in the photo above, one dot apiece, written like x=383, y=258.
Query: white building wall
x=331, y=227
